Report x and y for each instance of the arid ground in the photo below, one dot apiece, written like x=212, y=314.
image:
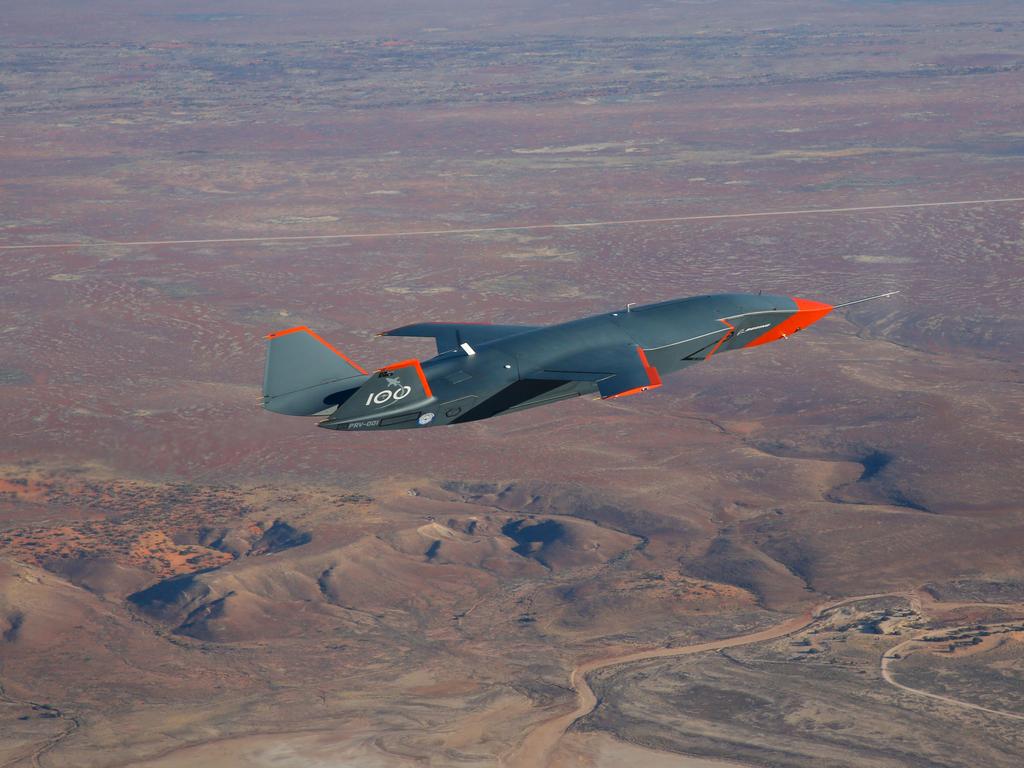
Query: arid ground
x=805, y=554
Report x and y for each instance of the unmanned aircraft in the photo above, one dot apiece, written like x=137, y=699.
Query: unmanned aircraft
x=483, y=370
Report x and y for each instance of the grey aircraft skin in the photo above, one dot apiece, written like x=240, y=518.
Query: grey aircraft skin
x=487, y=370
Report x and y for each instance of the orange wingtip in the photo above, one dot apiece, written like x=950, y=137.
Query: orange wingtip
x=318, y=337
x=652, y=372
x=652, y=375
x=634, y=391
x=419, y=372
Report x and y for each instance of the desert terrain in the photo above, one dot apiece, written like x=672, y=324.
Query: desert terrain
x=804, y=554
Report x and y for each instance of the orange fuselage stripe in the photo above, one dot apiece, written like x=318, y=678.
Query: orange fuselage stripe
x=419, y=371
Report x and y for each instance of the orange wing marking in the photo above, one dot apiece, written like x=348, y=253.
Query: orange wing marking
x=652, y=375
x=721, y=341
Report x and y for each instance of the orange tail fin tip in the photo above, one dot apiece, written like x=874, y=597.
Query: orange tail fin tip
x=318, y=337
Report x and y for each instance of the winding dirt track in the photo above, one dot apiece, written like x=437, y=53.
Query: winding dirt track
x=893, y=654
x=34, y=756
x=539, y=744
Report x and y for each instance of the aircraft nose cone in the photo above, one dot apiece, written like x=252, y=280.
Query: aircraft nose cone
x=810, y=311
x=807, y=313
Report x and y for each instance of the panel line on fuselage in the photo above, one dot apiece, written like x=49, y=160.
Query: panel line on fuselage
x=686, y=341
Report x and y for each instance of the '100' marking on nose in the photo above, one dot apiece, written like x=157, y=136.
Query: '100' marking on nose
x=387, y=394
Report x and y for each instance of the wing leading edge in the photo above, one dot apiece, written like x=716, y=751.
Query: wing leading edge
x=450, y=336
x=618, y=372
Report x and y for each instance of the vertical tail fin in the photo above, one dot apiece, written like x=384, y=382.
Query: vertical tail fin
x=302, y=369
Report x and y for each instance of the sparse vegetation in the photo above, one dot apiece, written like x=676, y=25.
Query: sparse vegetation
x=179, y=573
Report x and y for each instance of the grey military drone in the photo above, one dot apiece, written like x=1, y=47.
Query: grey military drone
x=483, y=370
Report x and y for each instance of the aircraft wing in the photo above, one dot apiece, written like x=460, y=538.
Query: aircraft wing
x=617, y=371
x=452, y=335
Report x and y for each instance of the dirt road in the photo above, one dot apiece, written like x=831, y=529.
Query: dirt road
x=539, y=744
x=896, y=652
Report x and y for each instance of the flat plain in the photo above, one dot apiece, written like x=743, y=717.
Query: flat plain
x=807, y=554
